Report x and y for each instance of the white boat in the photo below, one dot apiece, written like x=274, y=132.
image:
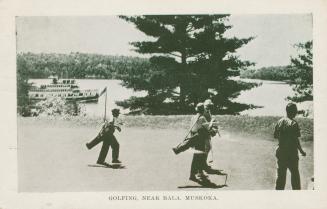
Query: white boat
x=64, y=88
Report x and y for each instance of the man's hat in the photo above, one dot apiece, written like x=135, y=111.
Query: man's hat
x=116, y=110
x=207, y=102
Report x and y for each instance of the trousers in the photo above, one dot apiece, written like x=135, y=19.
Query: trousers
x=107, y=141
x=293, y=166
x=198, y=164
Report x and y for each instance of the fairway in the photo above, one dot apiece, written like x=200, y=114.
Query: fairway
x=53, y=158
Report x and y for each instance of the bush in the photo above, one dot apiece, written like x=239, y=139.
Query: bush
x=56, y=106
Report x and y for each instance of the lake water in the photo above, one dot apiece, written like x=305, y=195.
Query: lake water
x=270, y=95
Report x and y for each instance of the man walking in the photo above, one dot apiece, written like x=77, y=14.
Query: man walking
x=108, y=138
x=200, y=127
x=287, y=132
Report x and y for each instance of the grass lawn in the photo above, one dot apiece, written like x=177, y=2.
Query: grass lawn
x=52, y=157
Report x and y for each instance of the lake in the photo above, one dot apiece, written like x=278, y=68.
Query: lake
x=270, y=95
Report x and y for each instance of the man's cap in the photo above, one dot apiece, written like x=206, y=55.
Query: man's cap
x=116, y=110
x=207, y=102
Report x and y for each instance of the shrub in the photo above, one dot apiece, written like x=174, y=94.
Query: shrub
x=56, y=106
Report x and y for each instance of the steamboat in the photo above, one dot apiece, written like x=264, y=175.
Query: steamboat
x=65, y=88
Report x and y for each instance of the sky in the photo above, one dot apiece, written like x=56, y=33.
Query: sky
x=273, y=46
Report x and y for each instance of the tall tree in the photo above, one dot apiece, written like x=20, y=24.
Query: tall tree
x=302, y=76
x=192, y=60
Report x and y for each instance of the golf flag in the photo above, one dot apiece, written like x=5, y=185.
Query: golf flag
x=103, y=91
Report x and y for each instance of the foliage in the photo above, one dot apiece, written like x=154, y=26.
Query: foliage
x=192, y=61
x=273, y=73
x=302, y=79
x=22, y=88
x=56, y=106
x=77, y=65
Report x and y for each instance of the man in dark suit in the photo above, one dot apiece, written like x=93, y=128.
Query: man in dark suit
x=106, y=135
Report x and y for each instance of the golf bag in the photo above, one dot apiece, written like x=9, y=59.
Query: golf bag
x=188, y=142
x=100, y=136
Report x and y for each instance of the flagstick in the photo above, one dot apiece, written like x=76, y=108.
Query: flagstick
x=105, y=107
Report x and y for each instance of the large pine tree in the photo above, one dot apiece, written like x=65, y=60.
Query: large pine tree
x=191, y=61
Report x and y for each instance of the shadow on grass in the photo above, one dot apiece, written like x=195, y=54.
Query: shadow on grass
x=205, y=184
x=212, y=186
x=110, y=166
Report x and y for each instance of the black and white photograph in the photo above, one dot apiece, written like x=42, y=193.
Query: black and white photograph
x=152, y=104
x=165, y=102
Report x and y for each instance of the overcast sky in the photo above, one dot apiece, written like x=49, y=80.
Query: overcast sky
x=275, y=35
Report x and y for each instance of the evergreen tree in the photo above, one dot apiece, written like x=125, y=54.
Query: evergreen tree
x=192, y=60
x=302, y=77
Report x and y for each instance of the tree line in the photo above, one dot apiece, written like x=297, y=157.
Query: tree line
x=78, y=65
x=273, y=73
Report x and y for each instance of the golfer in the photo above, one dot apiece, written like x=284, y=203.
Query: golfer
x=287, y=132
x=201, y=127
x=108, y=138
